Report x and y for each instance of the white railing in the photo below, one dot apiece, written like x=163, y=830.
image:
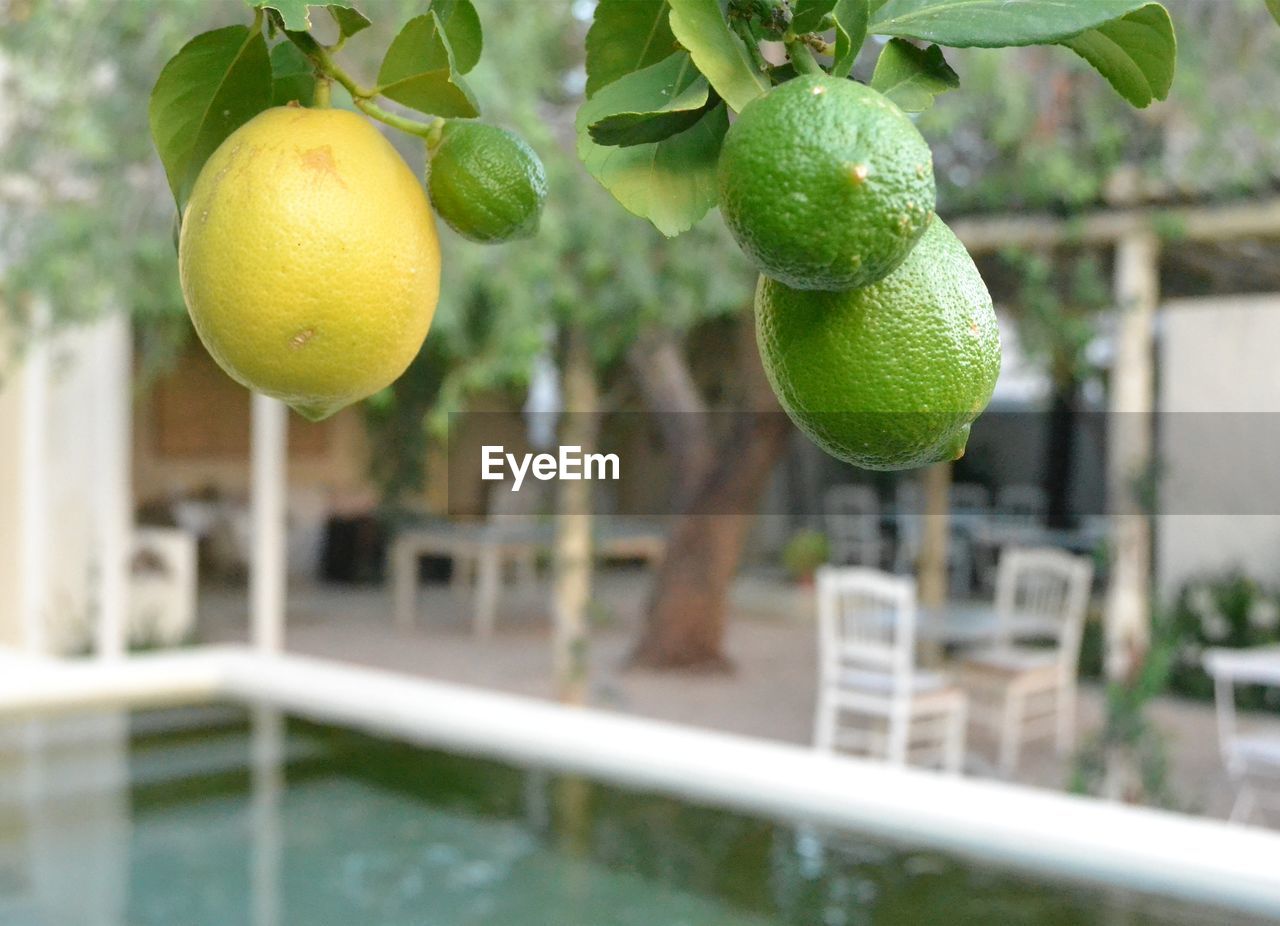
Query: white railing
x=1163, y=853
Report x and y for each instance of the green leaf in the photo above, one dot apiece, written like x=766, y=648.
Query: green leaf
x=296, y=14
x=672, y=183
x=625, y=36
x=912, y=76
x=293, y=76
x=807, y=14
x=349, y=19
x=462, y=28
x=851, y=32
x=419, y=71
x=1136, y=53
x=700, y=27
x=217, y=82
x=676, y=97
x=996, y=23
x=1130, y=42
x=1274, y=7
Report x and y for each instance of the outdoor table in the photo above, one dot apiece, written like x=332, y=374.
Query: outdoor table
x=972, y=623
x=491, y=546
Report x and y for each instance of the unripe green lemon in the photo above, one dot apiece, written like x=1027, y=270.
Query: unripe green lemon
x=825, y=183
x=308, y=258
x=486, y=183
x=888, y=376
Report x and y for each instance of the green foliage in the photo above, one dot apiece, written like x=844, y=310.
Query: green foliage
x=1131, y=43
x=420, y=71
x=804, y=553
x=295, y=15
x=293, y=76
x=912, y=76
x=852, y=17
x=671, y=182
x=1274, y=7
x=216, y=83
x=684, y=95
x=1230, y=610
x=1135, y=53
x=700, y=26
x=1056, y=305
x=626, y=36
x=1127, y=735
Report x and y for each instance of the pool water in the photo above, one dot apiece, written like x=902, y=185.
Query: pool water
x=219, y=817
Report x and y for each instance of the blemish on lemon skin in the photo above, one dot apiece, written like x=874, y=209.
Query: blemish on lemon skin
x=299, y=340
x=922, y=170
x=321, y=161
x=818, y=90
x=858, y=174
x=973, y=327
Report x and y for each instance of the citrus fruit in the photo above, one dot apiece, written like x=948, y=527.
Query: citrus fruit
x=888, y=376
x=486, y=183
x=309, y=259
x=825, y=183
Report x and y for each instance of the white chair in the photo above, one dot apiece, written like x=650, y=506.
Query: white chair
x=162, y=587
x=871, y=698
x=1251, y=757
x=1019, y=692
x=852, y=516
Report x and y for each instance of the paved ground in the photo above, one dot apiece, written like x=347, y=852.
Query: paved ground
x=770, y=694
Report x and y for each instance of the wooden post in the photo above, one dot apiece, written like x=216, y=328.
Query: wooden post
x=573, y=555
x=932, y=570
x=1132, y=401
x=267, y=506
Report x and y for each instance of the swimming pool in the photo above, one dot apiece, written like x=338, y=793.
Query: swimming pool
x=222, y=815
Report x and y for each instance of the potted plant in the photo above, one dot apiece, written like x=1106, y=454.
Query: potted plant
x=803, y=554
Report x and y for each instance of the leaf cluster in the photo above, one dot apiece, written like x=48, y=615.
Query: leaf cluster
x=223, y=78
x=663, y=75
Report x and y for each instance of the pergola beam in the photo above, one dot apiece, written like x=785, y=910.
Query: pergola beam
x=984, y=234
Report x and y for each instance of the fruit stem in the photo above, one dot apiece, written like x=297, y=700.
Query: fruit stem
x=323, y=92
x=743, y=29
x=410, y=126
x=803, y=58
x=362, y=97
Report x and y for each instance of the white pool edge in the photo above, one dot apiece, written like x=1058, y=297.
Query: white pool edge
x=1174, y=855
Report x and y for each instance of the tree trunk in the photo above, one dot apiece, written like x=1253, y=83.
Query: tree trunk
x=666, y=383
x=572, y=553
x=685, y=626
x=1128, y=611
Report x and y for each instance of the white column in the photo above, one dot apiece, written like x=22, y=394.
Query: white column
x=33, y=531
x=1129, y=452
x=113, y=355
x=267, y=565
x=267, y=845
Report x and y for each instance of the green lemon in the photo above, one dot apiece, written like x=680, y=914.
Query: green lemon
x=825, y=183
x=891, y=375
x=486, y=183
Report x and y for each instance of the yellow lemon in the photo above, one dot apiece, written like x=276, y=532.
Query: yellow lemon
x=309, y=258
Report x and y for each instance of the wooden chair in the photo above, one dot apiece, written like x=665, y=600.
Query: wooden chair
x=852, y=516
x=1021, y=692
x=871, y=698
